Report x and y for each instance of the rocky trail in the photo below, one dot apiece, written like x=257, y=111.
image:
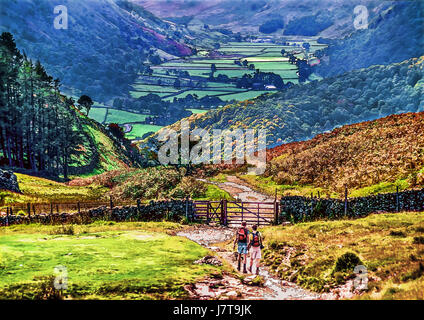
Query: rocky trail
x=240, y=190
x=243, y=286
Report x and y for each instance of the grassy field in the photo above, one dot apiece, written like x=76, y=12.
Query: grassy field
x=268, y=186
x=121, y=117
x=116, y=116
x=265, y=56
x=139, y=130
x=391, y=246
x=98, y=114
x=37, y=189
x=104, y=260
x=198, y=111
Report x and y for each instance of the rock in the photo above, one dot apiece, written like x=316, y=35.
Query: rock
x=209, y=260
x=232, y=294
x=8, y=181
x=253, y=280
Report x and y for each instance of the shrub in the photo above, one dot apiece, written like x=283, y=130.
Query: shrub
x=415, y=274
x=347, y=262
x=64, y=229
x=397, y=233
x=189, y=187
x=418, y=240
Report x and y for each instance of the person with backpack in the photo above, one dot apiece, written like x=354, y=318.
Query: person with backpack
x=242, y=239
x=255, y=246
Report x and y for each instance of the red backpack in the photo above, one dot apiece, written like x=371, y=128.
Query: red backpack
x=242, y=235
x=256, y=240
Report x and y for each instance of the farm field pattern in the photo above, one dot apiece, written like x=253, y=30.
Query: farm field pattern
x=228, y=60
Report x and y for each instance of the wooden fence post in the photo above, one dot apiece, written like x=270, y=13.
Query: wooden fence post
x=7, y=216
x=345, y=207
x=186, y=213
x=397, y=199
x=138, y=206
x=111, y=202
x=276, y=213
x=29, y=211
x=51, y=208
x=207, y=211
x=312, y=204
x=258, y=214
x=79, y=208
x=223, y=211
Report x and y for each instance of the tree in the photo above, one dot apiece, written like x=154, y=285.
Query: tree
x=86, y=102
x=177, y=84
x=306, y=46
x=213, y=68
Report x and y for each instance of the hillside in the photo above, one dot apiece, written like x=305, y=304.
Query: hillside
x=369, y=157
x=47, y=133
x=105, y=46
x=253, y=16
x=303, y=111
x=394, y=35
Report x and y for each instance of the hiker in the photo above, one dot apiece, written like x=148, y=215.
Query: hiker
x=242, y=238
x=255, y=246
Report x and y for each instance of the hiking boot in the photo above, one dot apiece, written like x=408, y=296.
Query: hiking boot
x=244, y=269
x=257, y=271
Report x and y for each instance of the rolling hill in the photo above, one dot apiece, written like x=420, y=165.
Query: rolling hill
x=393, y=35
x=303, y=111
x=47, y=133
x=368, y=157
x=252, y=16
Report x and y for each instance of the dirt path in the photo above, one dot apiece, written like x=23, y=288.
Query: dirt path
x=240, y=190
x=230, y=287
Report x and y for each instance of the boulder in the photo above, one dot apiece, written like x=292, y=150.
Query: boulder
x=8, y=181
x=209, y=260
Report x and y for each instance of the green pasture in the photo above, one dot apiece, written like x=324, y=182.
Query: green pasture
x=97, y=114
x=154, y=88
x=244, y=95
x=121, y=117
x=104, y=260
x=138, y=94
x=138, y=130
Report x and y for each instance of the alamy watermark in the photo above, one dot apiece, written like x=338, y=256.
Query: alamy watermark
x=61, y=280
x=361, y=280
x=361, y=18
x=221, y=146
x=61, y=20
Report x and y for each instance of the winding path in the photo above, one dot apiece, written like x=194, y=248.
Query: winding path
x=230, y=287
x=240, y=190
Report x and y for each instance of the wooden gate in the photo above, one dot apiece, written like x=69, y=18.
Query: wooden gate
x=232, y=213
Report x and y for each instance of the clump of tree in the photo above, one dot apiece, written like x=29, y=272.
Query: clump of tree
x=39, y=127
x=261, y=79
x=271, y=26
x=309, y=25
